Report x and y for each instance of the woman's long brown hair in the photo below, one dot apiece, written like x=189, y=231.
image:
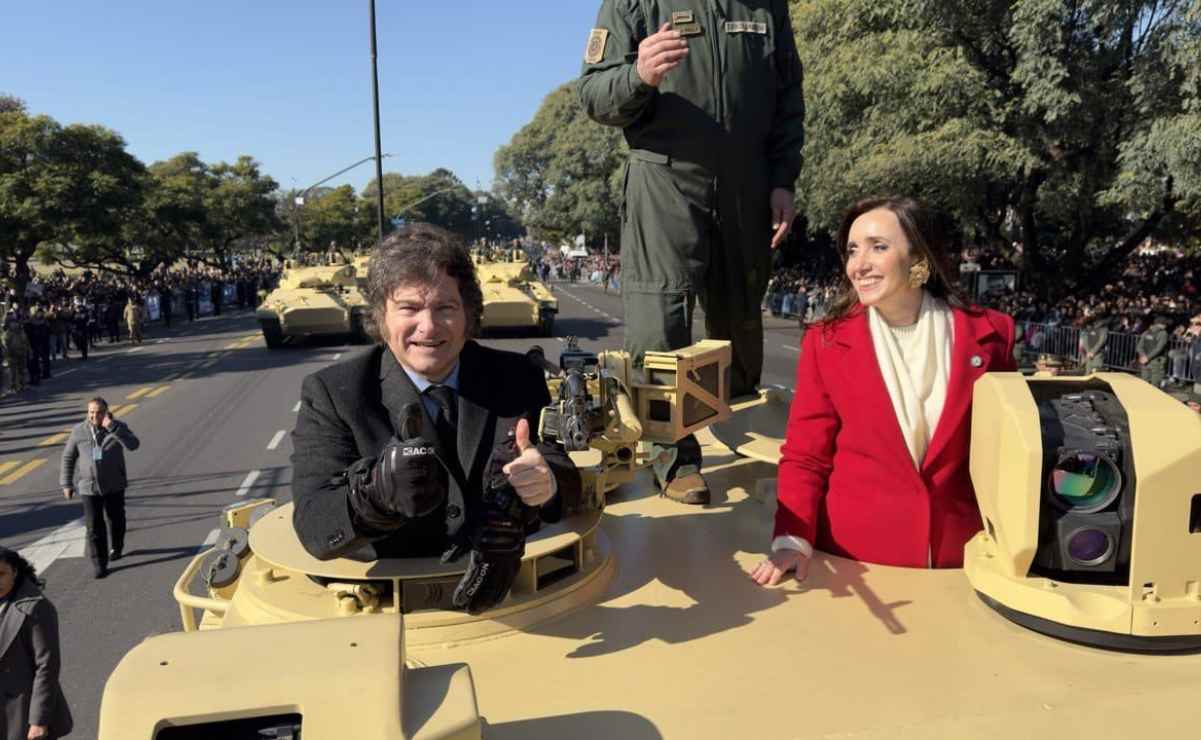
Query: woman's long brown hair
x=932, y=236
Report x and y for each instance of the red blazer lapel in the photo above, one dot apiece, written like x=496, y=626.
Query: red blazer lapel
x=861, y=369
x=969, y=360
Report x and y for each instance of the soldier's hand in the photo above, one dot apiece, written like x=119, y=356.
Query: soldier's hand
x=659, y=54
x=783, y=212
x=68, y=493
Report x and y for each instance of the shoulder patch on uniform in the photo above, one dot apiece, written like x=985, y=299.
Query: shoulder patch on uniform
x=595, y=52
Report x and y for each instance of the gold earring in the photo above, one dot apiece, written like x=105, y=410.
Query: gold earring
x=919, y=274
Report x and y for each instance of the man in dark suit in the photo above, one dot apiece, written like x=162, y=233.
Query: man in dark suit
x=395, y=448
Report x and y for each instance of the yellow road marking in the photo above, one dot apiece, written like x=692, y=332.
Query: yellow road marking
x=55, y=439
x=8, y=465
x=124, y=410
x=210, y=363
x=22, y=471
x=157, y=391
x=139, y=392
x=211, y=355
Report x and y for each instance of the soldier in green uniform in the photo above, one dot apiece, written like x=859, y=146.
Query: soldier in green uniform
x=16, y=353
x=1092, y=345
x=1152, y=352
x=708, y=93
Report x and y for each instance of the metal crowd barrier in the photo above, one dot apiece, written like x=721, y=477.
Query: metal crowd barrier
x=1121, y=349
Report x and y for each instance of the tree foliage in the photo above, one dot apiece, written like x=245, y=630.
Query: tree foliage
x=1068, y=127
x=60, y=186
x=441, y=198
x=561, y=172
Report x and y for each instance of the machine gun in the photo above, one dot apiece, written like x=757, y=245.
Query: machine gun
x=601, y=403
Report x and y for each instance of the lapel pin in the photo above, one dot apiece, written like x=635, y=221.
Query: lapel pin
x=977, y=361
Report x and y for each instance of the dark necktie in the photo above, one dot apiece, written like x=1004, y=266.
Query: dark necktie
x=447, y=422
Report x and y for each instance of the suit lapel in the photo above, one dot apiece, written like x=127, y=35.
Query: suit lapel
x=861, y=368
x=969, y=361
x=19, y=606
x=474, y=386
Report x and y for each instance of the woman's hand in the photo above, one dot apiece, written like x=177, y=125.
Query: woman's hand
x=37, y=731
x=772, y=570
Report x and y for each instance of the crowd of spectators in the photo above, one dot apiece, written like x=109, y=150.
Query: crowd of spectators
x=63, y=313
x=1163, y=284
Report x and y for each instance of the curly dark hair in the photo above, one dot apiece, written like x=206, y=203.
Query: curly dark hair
x=23, y=568
x=932, y=235
x=421, y=253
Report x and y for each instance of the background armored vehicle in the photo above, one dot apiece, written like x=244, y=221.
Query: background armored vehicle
x=635, y=618
x=513, y=297
x=314, y=301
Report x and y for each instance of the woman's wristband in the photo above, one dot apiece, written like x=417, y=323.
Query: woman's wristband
x=792, y=542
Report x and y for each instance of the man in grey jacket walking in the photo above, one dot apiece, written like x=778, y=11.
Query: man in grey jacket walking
x=94, y=465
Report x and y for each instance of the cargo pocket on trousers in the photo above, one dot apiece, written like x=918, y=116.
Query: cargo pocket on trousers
x=656, y=320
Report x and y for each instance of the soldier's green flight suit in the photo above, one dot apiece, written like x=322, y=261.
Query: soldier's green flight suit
x=1154, y=344
x=1092, y=341
x=708, y=145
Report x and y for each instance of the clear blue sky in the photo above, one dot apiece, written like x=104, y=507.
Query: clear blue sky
x=289, y=82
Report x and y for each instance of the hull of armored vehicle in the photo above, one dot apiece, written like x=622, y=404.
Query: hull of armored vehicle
x=311, y=302
x=640, y=621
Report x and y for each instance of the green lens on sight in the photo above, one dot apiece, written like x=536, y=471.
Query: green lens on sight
x=1084, y=482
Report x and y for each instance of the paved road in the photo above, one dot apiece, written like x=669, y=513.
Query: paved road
x=213, y=409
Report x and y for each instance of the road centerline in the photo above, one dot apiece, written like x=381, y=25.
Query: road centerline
x=279, y=437
x=248, y=483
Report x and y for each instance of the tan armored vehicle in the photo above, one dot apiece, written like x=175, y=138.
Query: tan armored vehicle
x=635, y=617
x=513, y=297
x=314, y=301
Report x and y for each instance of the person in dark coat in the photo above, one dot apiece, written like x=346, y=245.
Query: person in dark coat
x=34, y=705
x=426, y=302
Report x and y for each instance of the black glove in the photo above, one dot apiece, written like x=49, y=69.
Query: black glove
x=497, y=539
x=406, y=481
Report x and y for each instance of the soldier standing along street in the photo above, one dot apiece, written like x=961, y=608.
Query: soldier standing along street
x=16, y=353
x=1152, y=352
x=1092, y=346
x=133, y=321
x=709, y=97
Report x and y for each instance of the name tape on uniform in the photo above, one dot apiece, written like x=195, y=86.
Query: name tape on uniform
x=595, y=51
x=758, y=27
x=687, y=29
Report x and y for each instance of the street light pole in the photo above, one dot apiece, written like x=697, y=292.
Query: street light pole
x=304, y=194
x=379, y=162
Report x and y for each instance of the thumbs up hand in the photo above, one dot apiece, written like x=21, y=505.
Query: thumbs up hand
x=529, y=474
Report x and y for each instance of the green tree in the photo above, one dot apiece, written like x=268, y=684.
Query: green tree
x=1070, y=128
x=439, y=198
x=240, y=205
x=154, y=230
x=337, y=219
x=560, y=174
x=60, y=186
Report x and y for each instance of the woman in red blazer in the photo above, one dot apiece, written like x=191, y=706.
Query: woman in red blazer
x=874, y=464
